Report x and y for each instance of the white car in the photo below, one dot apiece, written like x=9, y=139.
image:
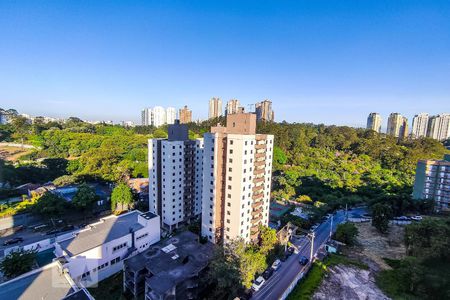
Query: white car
x=417, y=218
x=257, y=284
x=276, y=264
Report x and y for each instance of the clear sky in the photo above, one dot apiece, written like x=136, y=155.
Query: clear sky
x=328, y=62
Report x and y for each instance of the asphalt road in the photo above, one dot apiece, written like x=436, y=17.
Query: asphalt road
x=276, y=285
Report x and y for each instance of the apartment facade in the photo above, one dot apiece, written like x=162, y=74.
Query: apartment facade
x=374, y=122
x=175, y=176
x=237, y=169
x=185, y=115
x=420, y=125
x=233, y=107
x=432, y=181
x=439, y=127
x=397, y=125
x=264, y=111
x=215, y=108
x=171, y=115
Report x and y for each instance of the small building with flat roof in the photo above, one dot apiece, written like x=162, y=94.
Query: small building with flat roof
x=168, y=270
x=98, y=251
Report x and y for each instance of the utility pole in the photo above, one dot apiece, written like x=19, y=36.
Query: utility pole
x=346, y=212
x=312, y=247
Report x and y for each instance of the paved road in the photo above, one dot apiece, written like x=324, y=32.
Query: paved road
x=275, y=287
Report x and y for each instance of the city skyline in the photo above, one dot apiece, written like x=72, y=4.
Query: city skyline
x=332, y=63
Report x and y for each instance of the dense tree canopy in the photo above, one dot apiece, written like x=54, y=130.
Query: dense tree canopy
x=17, y=263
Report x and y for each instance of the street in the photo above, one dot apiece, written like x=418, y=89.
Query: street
x=276, y=285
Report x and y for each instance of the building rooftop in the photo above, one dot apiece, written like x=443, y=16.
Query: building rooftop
x=172, y=261
x=47, y=283
x=109, y=229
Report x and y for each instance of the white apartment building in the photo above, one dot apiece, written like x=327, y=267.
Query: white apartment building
x=171, y=115
x=374, y=122
x=439, y=127
x=215, y=108
x=237, y=170
x=397, y=125
x=175, y=176
x=98, y=251
x=420, y=125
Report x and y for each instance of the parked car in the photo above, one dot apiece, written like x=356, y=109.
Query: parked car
x=284, y=257
x=303, y=260
x=290, y=250
x=257, y=284
x=267, y=273
x=276, y=264
x=402, y=218
x=417, y=218
x=13, y=241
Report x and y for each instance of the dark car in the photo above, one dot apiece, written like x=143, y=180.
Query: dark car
x=290, y=251
x=13, y=241
x=53, y=231
x=267, y=273
x=284, y=257
x=303, y=260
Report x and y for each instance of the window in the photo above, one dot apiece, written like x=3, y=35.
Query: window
x=231, y=151
x=115, y=260
x=231, y=142
x=119, y=247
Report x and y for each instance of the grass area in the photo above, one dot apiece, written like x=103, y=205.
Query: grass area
x=15, y=208
x=110, y=288
x=306, y=287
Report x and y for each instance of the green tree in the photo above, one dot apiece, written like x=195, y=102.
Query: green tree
x=159, y=134
x=381, y=214
x=84, y=198
x=346, y=233
x=224, y=273
x=17, y=263
x=21, y=127
x=267, y=239
x=50, y=205
x=121, y=198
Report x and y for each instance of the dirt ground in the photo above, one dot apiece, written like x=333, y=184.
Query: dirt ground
x=13, y=153
x=348, y=282
x=373, y=247
x=345, y=282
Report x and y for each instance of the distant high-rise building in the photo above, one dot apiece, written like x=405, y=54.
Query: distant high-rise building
x=420, y=125
x=175, y=172
x=146, y=116
x=237, y=172
x=439, y=127
x=397, y=125
x=264, y=111
x=374, y=122
x=159, y=116
x=185, y=115
x=433, y=182
x=171, y=115
x=233, y=107
x=403, y=134
x=215, y=108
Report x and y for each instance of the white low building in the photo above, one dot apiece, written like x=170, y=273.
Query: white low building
x=98, y=251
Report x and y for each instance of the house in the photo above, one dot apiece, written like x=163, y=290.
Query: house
x=98, y=251
x=168, y=270
x=333, y=246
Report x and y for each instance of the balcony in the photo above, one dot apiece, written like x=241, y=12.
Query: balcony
x=260, y=163
x=258, y=180
x=260, y=146
x=258, y=172
x=256, y=204
x=256, y=220
x=260, y=155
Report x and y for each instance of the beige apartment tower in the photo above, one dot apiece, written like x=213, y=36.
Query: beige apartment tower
x=215, y=108
x=185, y=115
x=233, y=107
x=264, y=111
x=237, y=171
x=397, y=126
x=374, y=122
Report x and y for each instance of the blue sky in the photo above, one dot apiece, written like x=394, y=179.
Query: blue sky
x=328, y=62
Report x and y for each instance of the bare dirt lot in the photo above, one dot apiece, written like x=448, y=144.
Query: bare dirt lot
x=349, y=282
x=13, y=153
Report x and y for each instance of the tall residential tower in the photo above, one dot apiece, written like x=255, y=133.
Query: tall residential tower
x=175, y=176
x=374, y=122
x=237, y=170
x=264, y=111
x=215, y=108
x=439, y=127
x=419, y=125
